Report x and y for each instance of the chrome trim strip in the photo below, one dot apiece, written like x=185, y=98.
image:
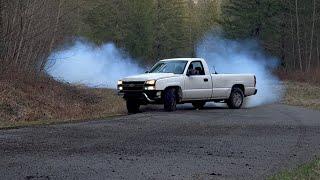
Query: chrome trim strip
x=146, y=96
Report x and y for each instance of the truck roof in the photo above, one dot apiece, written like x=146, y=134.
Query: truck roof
x=183, y=59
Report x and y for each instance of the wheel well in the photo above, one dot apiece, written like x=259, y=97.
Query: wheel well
x=240, y=86
x=178, y=91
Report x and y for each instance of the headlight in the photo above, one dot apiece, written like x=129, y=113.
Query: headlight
x=151, y=82
x=150, y=88
x=120, y=82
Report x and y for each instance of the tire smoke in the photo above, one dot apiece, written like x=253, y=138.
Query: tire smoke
x=243, y=56
x=84, y=63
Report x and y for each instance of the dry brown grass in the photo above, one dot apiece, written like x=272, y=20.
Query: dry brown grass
x=312, y=76
x=302, y=88
x=302, y=94
x=26, y=99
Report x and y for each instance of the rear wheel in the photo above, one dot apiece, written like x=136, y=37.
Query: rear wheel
x=132, y=106
x=170, y=99
x=236, y=99
x=198, y=105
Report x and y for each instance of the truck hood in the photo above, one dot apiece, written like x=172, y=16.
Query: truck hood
x=149, y=76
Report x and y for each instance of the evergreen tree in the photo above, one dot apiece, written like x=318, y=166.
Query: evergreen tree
x=171, y=32
x=258, y=19
x=251, y=18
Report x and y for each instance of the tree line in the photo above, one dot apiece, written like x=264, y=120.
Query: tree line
x=289, y=29
x=150, y=30
x=30, y=30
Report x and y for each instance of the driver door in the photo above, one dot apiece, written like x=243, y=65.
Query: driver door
x=198, y=85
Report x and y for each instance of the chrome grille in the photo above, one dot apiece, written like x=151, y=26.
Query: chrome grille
x=133, y=86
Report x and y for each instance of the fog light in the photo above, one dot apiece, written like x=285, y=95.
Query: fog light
x=159, y=94
x=120, y=88
x=150, y=88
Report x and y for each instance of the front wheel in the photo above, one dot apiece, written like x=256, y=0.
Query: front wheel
x=132, y=106
x=236, y=99
x=170, y=100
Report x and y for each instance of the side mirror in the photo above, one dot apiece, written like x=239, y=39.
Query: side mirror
x=214, y=69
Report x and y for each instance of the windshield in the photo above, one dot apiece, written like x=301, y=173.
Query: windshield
x=176, y=67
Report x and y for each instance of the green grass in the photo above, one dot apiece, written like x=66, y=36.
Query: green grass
x=309, y=171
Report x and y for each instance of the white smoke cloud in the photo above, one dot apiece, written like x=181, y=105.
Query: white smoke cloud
x=243, y=56
x=84, y=63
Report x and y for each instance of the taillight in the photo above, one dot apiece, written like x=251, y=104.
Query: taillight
x=255, y=81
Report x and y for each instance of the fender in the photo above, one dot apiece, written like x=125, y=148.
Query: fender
x=162, y=84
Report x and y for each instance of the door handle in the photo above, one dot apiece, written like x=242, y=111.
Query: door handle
x=205, y=79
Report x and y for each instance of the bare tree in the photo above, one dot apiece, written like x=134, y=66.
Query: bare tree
x=30, y=31
x=1, y=31
x=318, y=53
x=292, y=40
x=312, y=33
x=56, y=26
x=298, y=34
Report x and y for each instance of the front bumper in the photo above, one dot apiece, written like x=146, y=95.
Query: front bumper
x=142, y=96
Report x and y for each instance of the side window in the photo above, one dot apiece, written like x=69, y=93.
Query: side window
x=196, y=68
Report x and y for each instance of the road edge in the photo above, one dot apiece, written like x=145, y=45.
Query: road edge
x=40, y=123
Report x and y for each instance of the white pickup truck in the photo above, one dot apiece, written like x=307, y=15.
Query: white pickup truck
x=185, y=80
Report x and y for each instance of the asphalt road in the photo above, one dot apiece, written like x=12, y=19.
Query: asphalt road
x=214, y=143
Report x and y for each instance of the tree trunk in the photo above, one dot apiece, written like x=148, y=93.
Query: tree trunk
x=312, y=33
x=18, y=38
x=1, y=20
x=298, y=35
x=79, y=17
x=23, y=33
x=56, y=26
x=305, y=52
x=318, y=53
x=1, y=31
x=293, y=41
x=27, y=49
x=158, y=43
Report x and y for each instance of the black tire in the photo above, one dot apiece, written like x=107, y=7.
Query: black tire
x=198, y=105
x=170, y=100
x=236, y=99
x=132, y=106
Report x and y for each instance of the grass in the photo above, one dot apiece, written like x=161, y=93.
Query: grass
x=302, y=94
x=26, y=102
x=309, y=171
